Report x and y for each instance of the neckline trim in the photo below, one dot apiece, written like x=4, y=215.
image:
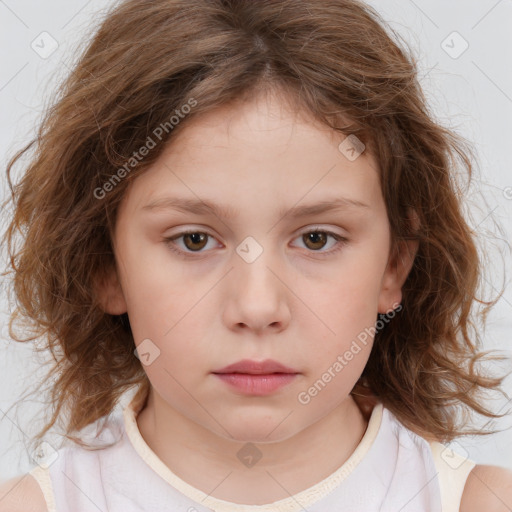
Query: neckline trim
x=295, y=503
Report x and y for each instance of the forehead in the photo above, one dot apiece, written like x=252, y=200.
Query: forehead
x=261, y=148
x=271, y=119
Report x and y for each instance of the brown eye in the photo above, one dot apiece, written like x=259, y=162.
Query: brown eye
x=195, y=241
x=315, y=240
x=190, y=243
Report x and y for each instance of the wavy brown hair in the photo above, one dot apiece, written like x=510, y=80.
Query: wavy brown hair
x=333, y=59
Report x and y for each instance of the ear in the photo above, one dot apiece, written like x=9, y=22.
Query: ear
x=399, y=266
x=110, y=293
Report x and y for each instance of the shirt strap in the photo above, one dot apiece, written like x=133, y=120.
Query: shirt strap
x=42, y=476
x=452, y=470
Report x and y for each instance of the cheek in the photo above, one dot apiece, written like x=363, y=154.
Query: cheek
x=357, y=284
x=154, y=289
x=165, y=311
x=341, y=316
x=346, y=298
x=337, y=358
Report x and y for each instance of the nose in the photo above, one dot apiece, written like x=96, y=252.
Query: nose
x=258, y=295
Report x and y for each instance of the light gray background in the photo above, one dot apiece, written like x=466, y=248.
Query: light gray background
x=470, y=92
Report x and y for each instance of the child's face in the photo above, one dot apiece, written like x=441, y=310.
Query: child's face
x=300, y=301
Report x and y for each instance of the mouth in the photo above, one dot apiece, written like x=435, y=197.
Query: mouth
x=250, y=367
x=257, y=378
x=256, y=384
x=255, y=373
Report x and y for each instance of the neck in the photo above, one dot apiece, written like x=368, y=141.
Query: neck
x=207, y=461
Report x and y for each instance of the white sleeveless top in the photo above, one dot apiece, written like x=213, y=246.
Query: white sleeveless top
x=392, y=469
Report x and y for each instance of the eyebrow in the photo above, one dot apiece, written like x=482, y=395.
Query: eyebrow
x=203, y=207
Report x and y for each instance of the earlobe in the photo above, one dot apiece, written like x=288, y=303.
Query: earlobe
x=110, y=293
x=398, y=268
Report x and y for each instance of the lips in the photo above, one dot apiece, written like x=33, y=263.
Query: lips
x=256, y=378
x=251, y=367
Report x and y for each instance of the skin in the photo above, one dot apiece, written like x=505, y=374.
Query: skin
x=284, y=305
x=205, y=310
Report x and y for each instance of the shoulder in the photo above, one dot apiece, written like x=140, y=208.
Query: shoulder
x=487, y=488
x=21, y=494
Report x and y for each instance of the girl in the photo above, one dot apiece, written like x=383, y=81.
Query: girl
x=242, y=213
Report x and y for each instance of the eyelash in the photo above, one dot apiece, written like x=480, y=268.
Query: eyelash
x=342, y=241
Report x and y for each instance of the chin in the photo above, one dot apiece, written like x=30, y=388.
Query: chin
x=257, y=430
